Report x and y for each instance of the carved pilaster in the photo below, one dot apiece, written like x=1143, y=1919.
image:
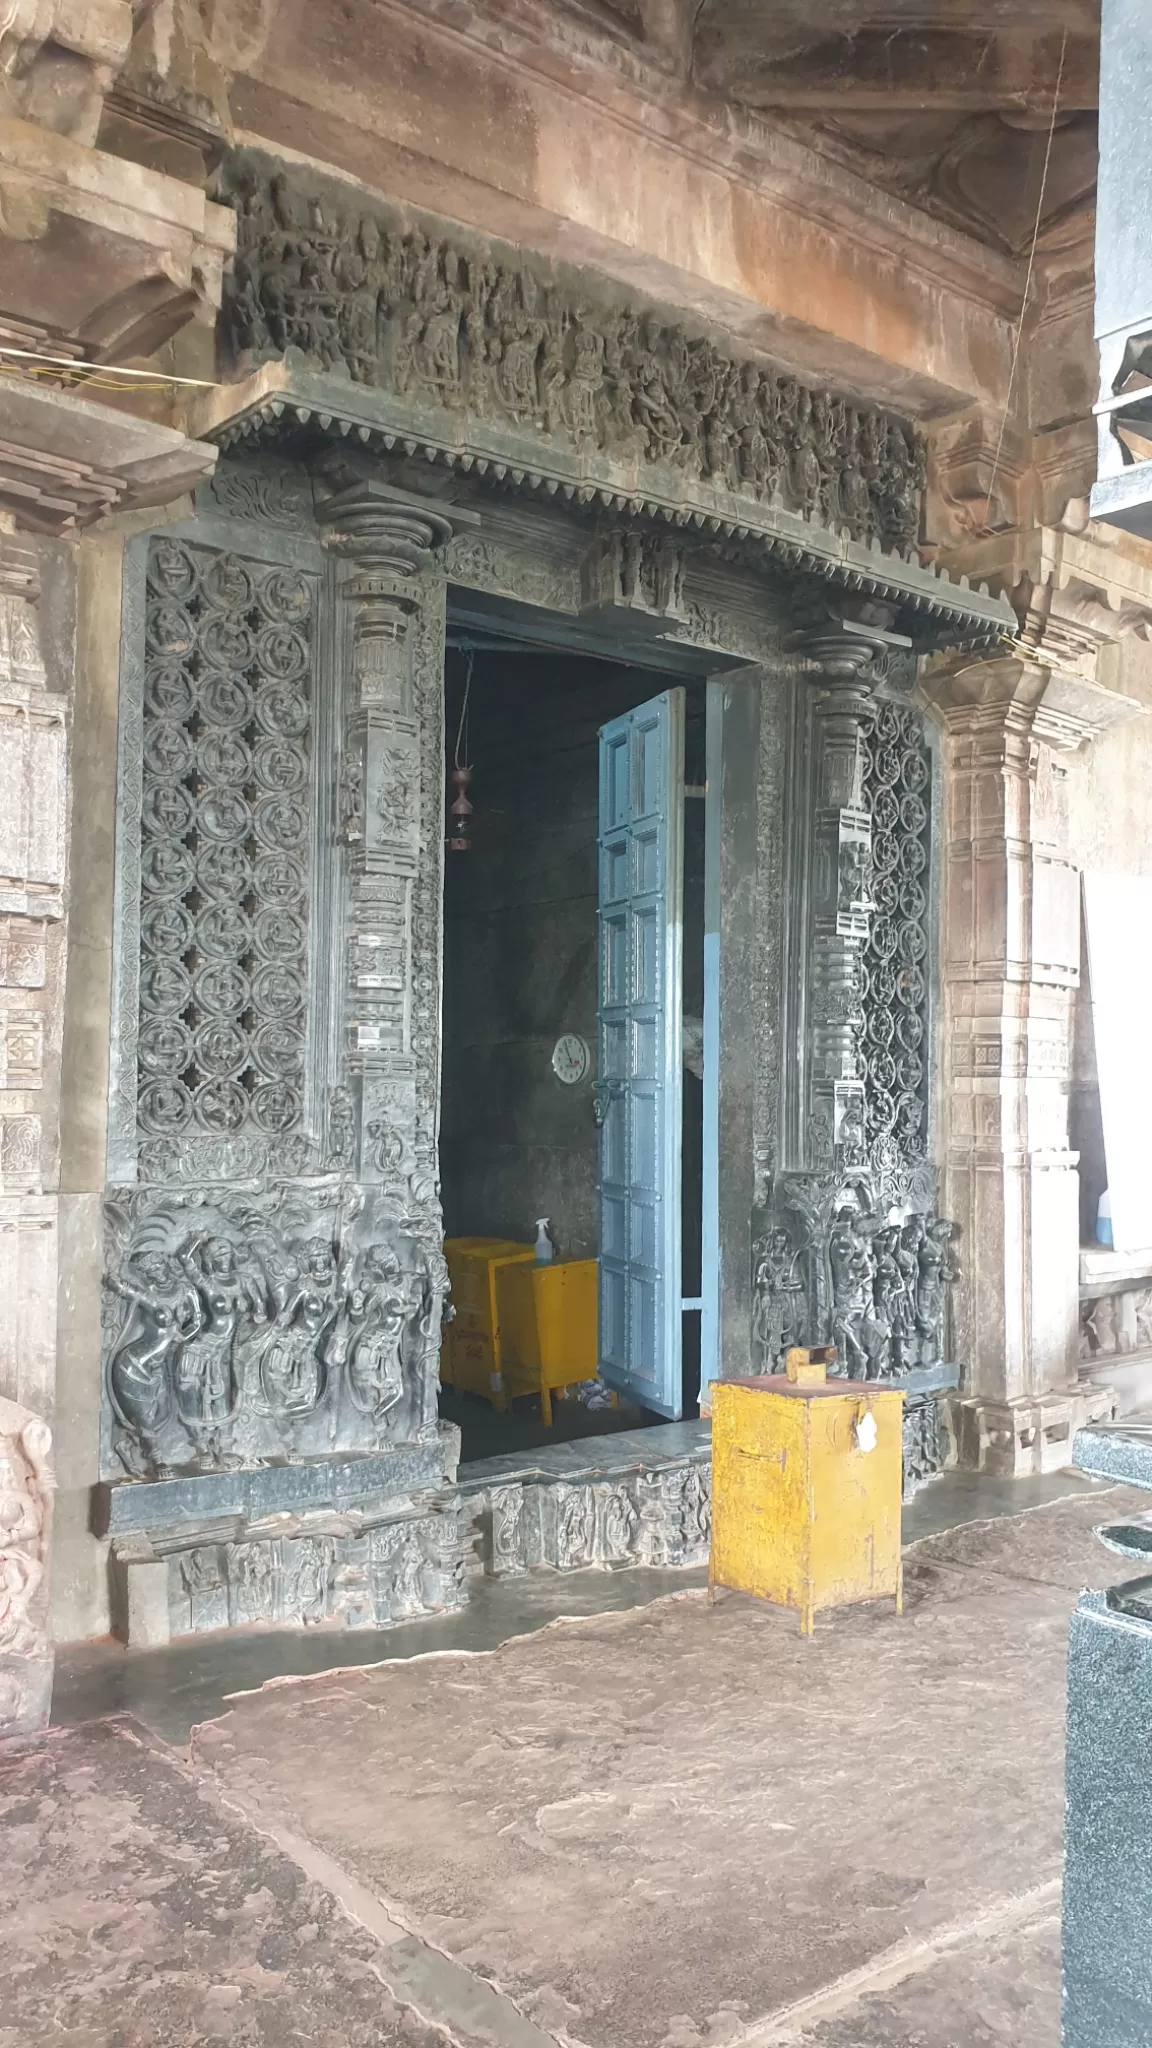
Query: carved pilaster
x=33, y=817
x=839, y=662
x=390, y=798
x=1011, y=965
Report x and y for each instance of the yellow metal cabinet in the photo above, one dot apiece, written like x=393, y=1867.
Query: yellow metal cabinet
x=802, y=1513
x=471, y=1355
x=549, y=1334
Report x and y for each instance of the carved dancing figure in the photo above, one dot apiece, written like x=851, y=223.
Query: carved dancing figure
x=938, y=1269
x=854, y=1330
x=375, y=1314
x=164, y=1311
x=293, y=1368
x=586, y=380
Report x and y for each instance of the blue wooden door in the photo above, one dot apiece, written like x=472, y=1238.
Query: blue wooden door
x=639, y=1068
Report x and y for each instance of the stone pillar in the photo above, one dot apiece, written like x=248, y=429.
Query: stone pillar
x=1011, y=956
x=384, y=1127
x=33, y=825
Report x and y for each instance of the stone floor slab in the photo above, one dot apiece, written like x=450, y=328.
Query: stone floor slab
x=688, y=1817
x=138, y=1912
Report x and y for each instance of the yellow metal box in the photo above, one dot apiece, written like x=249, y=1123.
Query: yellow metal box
x=804, y=1512
x=549, y=1332
x=470, y=1355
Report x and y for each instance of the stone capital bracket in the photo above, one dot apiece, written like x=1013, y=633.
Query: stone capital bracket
x=391, y=530
x=65, y=462
x=845, y=651
x=1023, y=695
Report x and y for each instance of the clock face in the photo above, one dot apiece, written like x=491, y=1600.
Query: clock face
x=570, y=1059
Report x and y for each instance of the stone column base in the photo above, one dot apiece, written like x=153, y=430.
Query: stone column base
x=1013, y=1439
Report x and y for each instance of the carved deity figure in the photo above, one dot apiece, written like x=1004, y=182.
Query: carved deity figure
x=778, y=1305
x=585, y=381
x=25, y=1483
x=938, y=1269
x=856, y=1334
x=205, y=1380
x=652, y=406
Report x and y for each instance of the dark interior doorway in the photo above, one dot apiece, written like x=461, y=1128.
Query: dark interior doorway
x=520, y=974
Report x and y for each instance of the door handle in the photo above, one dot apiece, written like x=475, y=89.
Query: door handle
x=602, y=1095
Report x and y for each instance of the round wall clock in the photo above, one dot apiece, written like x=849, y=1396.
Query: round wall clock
x=570, y=1059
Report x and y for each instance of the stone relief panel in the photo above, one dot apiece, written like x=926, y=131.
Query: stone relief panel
x=246, y=1329
x=402, y=1569
x=444, y=321
x=837, y=1264
x=224, y=861
x=26, y=1655
x=897, y=790
x=662, y=1516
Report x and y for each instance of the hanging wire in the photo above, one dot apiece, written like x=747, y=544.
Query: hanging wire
x=461, y=730
x=1027, y=285
x=26, y=362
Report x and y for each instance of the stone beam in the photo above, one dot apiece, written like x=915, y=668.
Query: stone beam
x=698, y=205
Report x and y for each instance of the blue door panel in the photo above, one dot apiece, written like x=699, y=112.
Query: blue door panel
x=641, y=938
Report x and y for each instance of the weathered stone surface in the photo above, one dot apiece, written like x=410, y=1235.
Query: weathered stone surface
x=721, y=1816
x=137, y=1908
x=26, y=1654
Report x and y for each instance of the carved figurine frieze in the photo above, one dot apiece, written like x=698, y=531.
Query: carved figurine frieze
x=243, y=1330
x=838, y=1265
x=415, y=313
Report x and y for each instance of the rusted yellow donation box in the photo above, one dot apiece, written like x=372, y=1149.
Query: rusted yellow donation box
x=806, y=1490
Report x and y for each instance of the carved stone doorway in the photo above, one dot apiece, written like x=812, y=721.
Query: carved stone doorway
x=522, y=1094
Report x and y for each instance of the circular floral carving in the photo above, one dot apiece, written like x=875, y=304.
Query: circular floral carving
x=166, y=868
x=222, y=990
x=171, y=570
x=913, y=856
x=279, y=878
x=223, y=757
x=278, y=1051
x=222, y=931
x=165, y=1106
x=223, y=871
x=281, y=710
x=886, y=894
x=913, y=942
x=227, y=585
x=221, y=1105
x=885, y=852
x=277, y=990
x=281, y=821
x=166, y=928
x=282, y=653
x=279, y=935
x=167, y=749
x=224, y=814
x=910, y=1029
x=885, y=938
x=883, y=1070
x=221, y=1048
x=886, y=767
x=885, y=812
x=279, y=765
x=170, y=693
x=169, y=630
x=225, y=700
x=913, y=813
x=164, y=1046
x=164, y=987
x=880, y=1026
x=275, y=1106
x=912, y=985
x=167, y=810
x=916, y=770
x=226, y=642
x=285, y=597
